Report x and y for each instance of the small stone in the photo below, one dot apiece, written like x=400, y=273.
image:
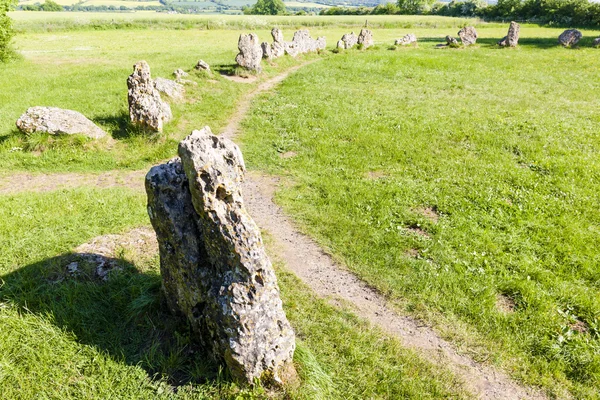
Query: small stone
x=57, y=121
x=570, y=37
x=170, y=88
x=406, y=40
x=365, y=37
x=512, y=38
x=596, y=42
x=340, y=44
x=146, y=108
x=202, y=66
x=451, y=41
x=251, y=53
x=73, y=268
x=179, y=74
x=468, y=35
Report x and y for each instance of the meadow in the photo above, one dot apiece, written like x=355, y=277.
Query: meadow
x=460, y=183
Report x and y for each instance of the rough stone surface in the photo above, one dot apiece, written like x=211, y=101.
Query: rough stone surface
x=146, y=108
x=202, y=66
x=350, y=40
x=596, y=42
x=214, y=266
x=278, y=45
x=170, y=88
x=57, y=121
x=451, y=41
x=512, y=38
x=570, y=37
x=365, y=37
x=406, y=40
x=302, y=43
x=180, y=74
x=251, y=53
x=468, y=35
x=266, y=49
x=341, y=44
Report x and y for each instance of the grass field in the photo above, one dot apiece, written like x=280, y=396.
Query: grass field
x=462, y=184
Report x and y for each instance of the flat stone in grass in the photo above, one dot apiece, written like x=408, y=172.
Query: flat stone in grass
x=512, y=38
x=213, y=262
x=468, y=35
x=365, y=38
x=170, y=88
x=146, y=108
x=451, y=41
x=570, y=37
x=251, y=53
x=406, y=40
x=57, y=121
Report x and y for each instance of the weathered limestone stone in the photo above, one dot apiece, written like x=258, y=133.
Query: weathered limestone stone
x=468, y=35
x=146, y=108
x=365, y=37
x=350, y=40
x=406, y=40
x=570, y=37
x=302, y=43
x=251, y=53
x=512, y=38
x=202, y=66
x=57, y=121
x=341, y=44
x=170, y=88
x=451, y=41
x=278, y=45
x=596, y=42
x=180, y=74
x=266, y=49
x=214, y=265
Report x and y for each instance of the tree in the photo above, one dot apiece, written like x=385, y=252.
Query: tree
x=268, y=7
x=414, y=6
x=50, y=5
x=6, y=29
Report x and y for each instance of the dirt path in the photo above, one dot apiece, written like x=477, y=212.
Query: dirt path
x=308, y=261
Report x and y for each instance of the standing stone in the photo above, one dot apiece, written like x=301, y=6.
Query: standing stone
x=302, y=43
x=365, y=37
x=451, y=41
x=57, y=121
x=213, y=262
x=406, y=40
x=170, y=88
x=202, y=65
x=570, y=37
x=278, y=46
x=146, y=108
x=512, y=38
x=180, y=74
x=251, y=53
x=350, y=40
x=468, y=35
x=596, y=42
x=266, y=49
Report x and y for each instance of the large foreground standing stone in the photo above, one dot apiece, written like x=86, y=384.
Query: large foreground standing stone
x=468, y=35
x=570, y=37
x=146, y=108
x=365, y=37
x=250, y=53
x=214, y=265
x=57, y=121
x=512, y=38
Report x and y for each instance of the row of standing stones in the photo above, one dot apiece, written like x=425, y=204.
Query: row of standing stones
x=149, y=111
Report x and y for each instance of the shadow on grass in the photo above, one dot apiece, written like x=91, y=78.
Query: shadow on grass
x=120, y=127
x=124, y=315
x=541, y=43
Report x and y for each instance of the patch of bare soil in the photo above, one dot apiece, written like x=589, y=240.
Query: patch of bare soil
x=288, y=154
x=240, y=79
x=505, y=304
x=431, y=213
x=374, y=175
x=417, y=230
x=20, y=181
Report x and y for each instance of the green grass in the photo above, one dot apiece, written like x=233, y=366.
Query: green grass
x=73, y=337
x=503, y=143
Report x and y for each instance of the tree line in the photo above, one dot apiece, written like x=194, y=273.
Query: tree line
x=553, y=12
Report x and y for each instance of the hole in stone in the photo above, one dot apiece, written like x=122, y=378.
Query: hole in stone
x=223, y=195
x=259, y=279
x=205, y=177
x=198, y=310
